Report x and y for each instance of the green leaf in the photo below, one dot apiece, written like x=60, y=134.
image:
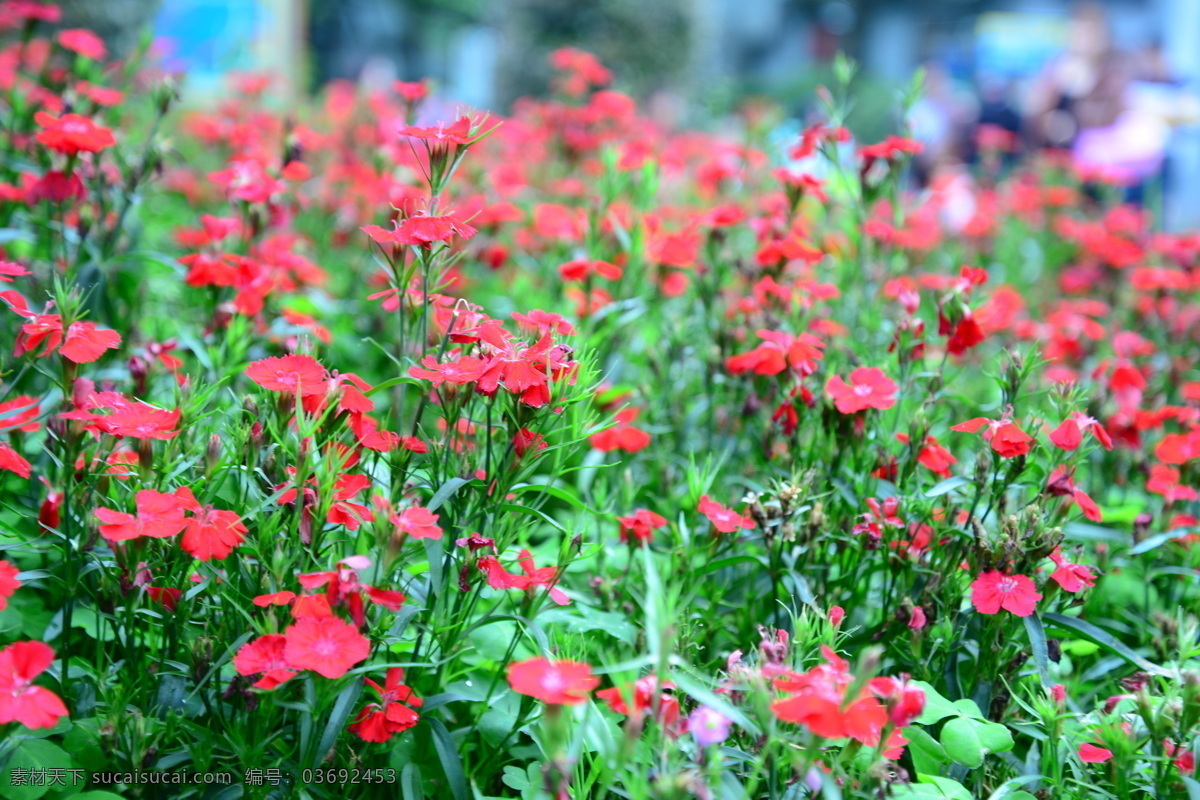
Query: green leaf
x=566, y=495
x=445, y=491
x=1104, y=639
x=928, y=756
x=32, y=754
x=1193, y=788
x=931, y=787
x=1085, y=532
x=1159, y=539
x=937, y=708
x=994, y=737
x=951, y=789
x=517, y=508
x=699, y=692
x=342, y=709
x=96, y=795
x=961, y=741
x=1038, y=644
x=83, y=742
x=585, y=619
x=410, y=782
x=968, y=708
x=1009, y=791
x=947, y=486
x=515, y=778
x=448, y=756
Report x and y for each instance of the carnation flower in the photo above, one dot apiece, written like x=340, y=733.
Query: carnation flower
x=563, y=683
x=993, y=590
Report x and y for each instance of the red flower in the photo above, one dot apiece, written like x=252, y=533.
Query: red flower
x=933, y=456
x=20, y=413
x=274, y=599
x=135, y=419
x=723, y=519
x=325, y=645
x=1069, y=434
x=560, y=683
x=10, y=270
x=85, y=342
x=819, y=700
x=32, y=706
x=422, y=230
x=1091, y=754
x=868, y=388
x=159, y=515
x=1005, y=437
x=442, y=134
x=778, y=352
x=622, y=436
x=891, y=147
x=639, y=527
x=904, y=701
x=1071, y=577
x=544, y=322
x=418, y=522
x=526, y=440
x=293, y=374
x=83, y=42
x=461, y=371
x=9, y=582
x=1164, y=480
x=212, y=533
x=648, y=694
x=12, y=461
x=378, y=722
x=581, y=268
x=1060, y=484
x=993, y=590
x=265, y=656
x=72, y=133
x=500, y=578
x=344, y=588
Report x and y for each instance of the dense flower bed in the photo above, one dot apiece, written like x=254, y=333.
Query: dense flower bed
x=562, y=455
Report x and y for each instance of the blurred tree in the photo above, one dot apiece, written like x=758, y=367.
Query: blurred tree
x=119, y=22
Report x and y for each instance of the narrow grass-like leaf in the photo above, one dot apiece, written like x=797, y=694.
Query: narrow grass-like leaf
x=1104, y=639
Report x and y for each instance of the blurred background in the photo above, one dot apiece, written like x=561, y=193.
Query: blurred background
x=1112, y=80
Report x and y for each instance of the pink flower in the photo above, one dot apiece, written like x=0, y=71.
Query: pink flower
x=868, y=388
x=993, y=590
x=1061, y=485
x=9, y=582
x=1005, y=437
x=1069, y=434
x=13, y=461
x=723, y=519
x=159, y=516
x=1091, y=754
x=292, y=374
x=264, y=656
x=418, y=522
x=639, y=527
x=1071, y=577
x=326, y=645
x=562, y=683
x=32, y=706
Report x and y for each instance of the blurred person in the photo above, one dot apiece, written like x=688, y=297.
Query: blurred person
x=941, y=120
x=1082, y=89
x=996, y=138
